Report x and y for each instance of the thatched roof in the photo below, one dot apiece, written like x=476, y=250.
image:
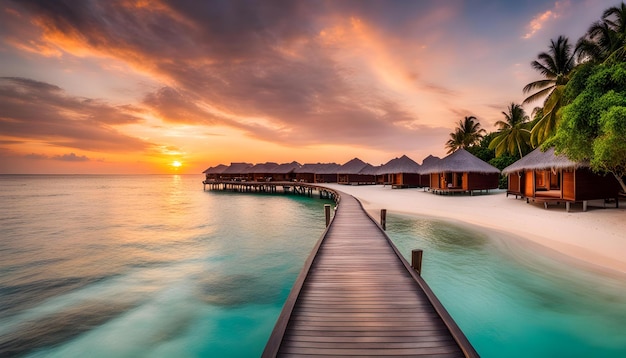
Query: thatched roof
x=403, y=164
x=286, y=168
x=237, y=168
x=215, y=170
x=428, y=163
x=354, y=166
x=430, y=160
x=460, y=161
x=369, y=169
x=263, y=167
x=319, y=168
x=538, y=160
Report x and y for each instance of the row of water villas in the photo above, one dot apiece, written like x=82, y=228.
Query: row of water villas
x=541, y=176
x=458, y=172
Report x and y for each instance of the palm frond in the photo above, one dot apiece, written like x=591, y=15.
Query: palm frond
x=538, y=95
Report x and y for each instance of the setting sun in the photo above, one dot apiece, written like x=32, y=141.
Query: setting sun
x=176, y=164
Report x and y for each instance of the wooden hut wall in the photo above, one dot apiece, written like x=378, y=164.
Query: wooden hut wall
x=396, y=179
x=409, y=179
x=283, y=176
x=480, y=181
x=529, y=181
x=325, y=178
x=259, y=176
x=425, y=180
x=515, y=183
x=236, y=176
x=362, y=179
x=568, y=187
x=305, y=177
x=435, y=181
x=590, y=186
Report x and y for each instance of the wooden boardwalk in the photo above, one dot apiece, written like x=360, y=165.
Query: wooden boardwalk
x=356, y=296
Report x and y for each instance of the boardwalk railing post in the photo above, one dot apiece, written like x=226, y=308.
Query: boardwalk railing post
x=416, y=260
x=383, y=218
x=327, y=213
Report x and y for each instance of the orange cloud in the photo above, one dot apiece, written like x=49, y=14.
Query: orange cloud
x=540, y=20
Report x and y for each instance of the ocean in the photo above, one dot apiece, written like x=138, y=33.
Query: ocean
x=153, y=266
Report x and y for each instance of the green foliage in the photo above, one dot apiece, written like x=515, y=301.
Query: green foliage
x=482, y=150
x=556, y=66
x=502, y=162
x=466, y=135
x=609, y=149
x=593, y=125
x=605, y=41
x=513, y=136
x=484, y=154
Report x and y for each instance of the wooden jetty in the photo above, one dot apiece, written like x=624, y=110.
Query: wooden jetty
x=357, y=296
x=271, y=187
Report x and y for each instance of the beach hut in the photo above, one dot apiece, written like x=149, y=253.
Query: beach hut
x=368, y=175
x=262, y=171
x=285, y=172
x=236, y=172
x=549, y=178
x=317, y=173
x=428, y=162
x=213, y=173
x=356, y=172
x=327, y=173
x=462, y=172
x=401, y=172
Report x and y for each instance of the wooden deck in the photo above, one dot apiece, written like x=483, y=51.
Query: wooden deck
x=357, y=296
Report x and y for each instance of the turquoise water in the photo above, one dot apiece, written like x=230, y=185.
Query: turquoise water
x=145, y=266
x=511, y=301
x=152, y=266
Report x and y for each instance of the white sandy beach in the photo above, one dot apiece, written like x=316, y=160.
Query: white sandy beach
x=596, y=237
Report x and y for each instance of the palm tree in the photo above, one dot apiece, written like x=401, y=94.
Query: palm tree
x=513, y=134
x=556, y=66
x=455, y=142
x=467, y=134
x=606, y=39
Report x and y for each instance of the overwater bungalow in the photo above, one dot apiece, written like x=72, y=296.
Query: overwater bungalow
x=236, y=172
x=401, y=172
x=355, y=172
x=427, y=163
x=285, y=172
x=368, y=175
x=462, y=172
x=545, y=177
x=317, y=173
x=213, y=173
x=262, y=171
x=327, y=173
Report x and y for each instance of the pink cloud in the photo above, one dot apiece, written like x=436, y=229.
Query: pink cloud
x=540, y=20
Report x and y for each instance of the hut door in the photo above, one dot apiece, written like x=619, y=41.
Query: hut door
x=459, y=180
x=555, y=180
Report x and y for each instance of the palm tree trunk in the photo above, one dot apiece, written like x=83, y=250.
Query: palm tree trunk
x=621, y=182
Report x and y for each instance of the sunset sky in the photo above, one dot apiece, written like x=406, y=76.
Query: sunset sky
x=134, y=86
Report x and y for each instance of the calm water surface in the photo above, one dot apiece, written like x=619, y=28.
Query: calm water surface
x=152, y=266
x=511, y=301
x=145, y=266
